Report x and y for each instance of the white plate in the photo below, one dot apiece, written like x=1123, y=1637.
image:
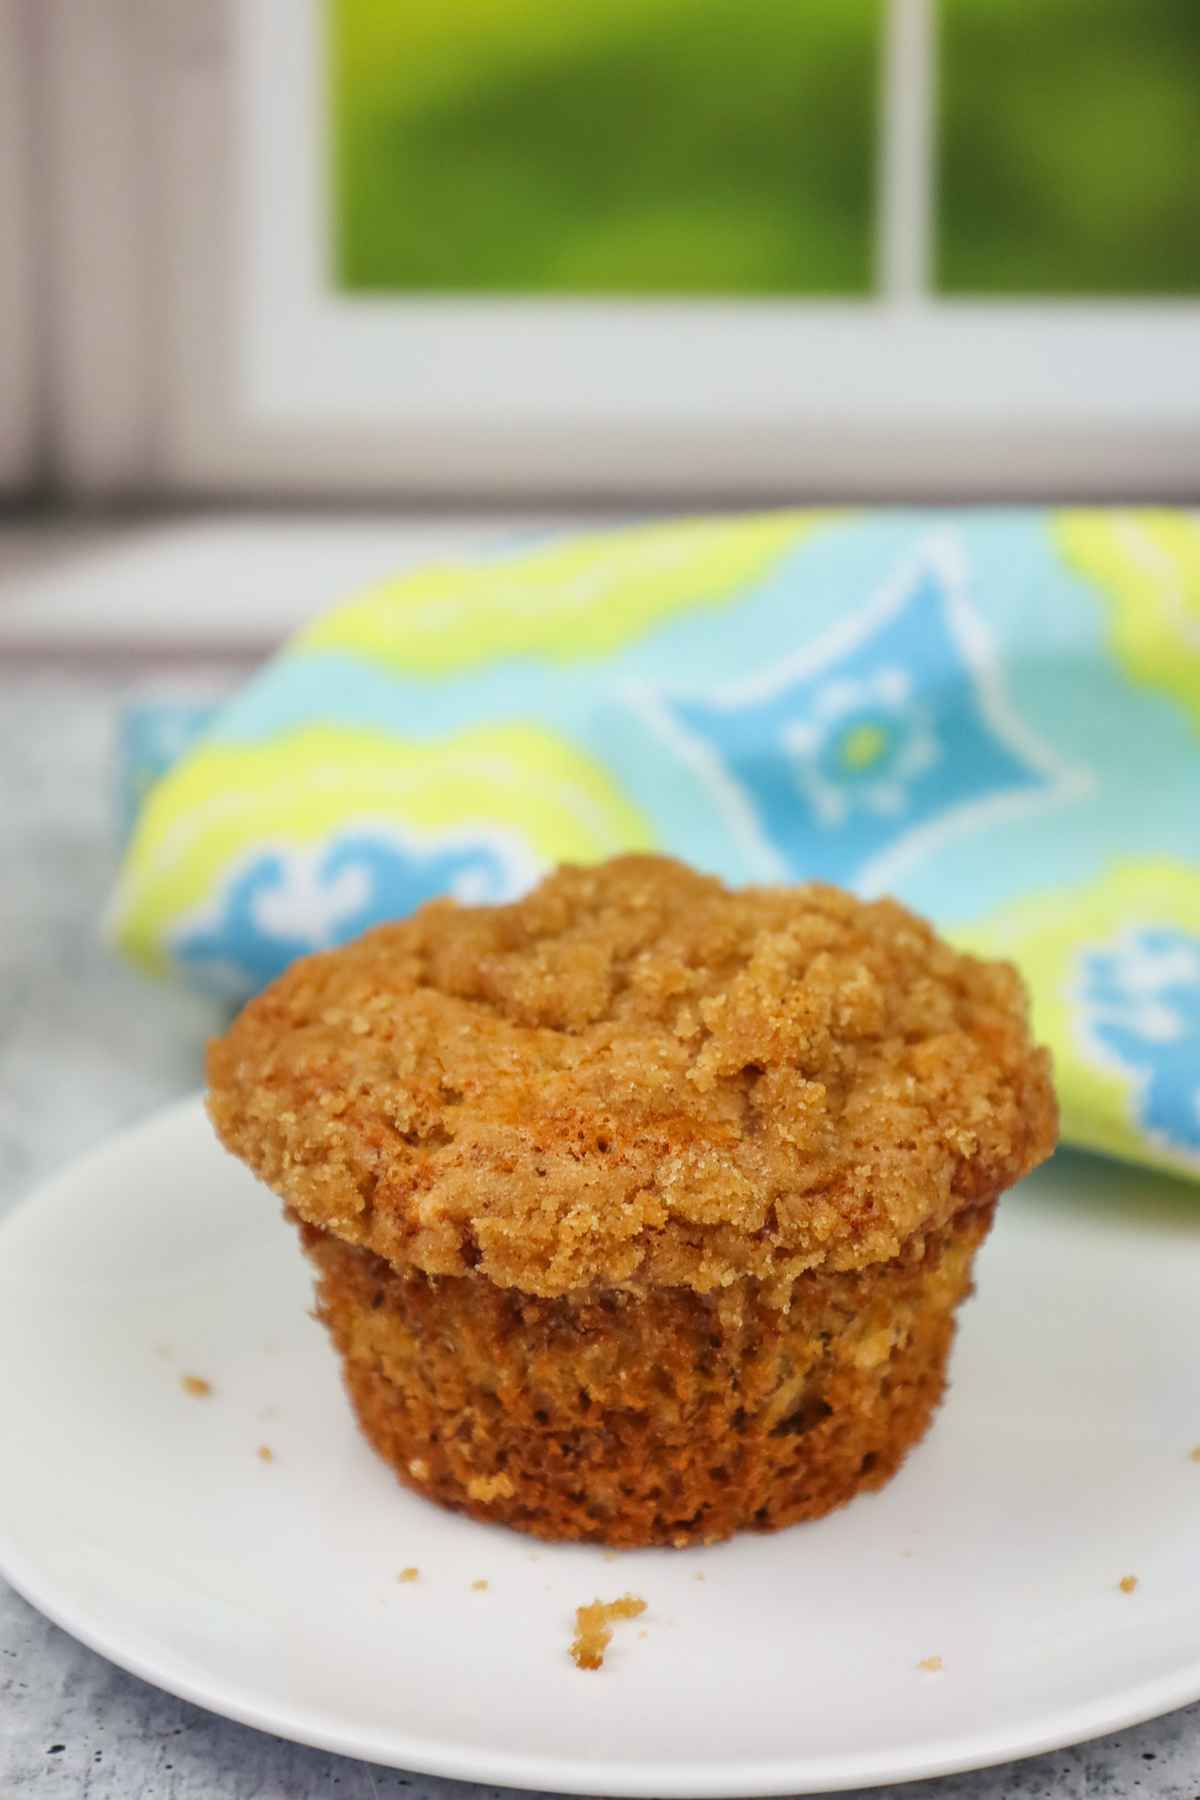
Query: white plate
x=143, y=1520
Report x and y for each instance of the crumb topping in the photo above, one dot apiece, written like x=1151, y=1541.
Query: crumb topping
x=491, y=1487
x=637, y=1077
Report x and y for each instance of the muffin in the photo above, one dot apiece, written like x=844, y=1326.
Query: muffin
x=641, y=1208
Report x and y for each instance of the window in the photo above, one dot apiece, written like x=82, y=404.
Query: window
x=624, y=147
x=668, y=247
x=1067, y=150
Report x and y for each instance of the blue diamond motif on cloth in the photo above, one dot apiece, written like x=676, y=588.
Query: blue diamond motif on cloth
x=866, y=749
x=285, y=903
x=1139, y=998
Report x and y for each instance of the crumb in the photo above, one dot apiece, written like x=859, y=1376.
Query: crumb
x=593, y=1633
x=265, y=1453
x=196, y=1384
x=612, y=1556
x=643, y=1634
x=490, y=1487
x=931, y=1663
x=478, y=1587
x=1195, y=1454
x=409, y=1574
x=1127, y=1583
x=699, y=1575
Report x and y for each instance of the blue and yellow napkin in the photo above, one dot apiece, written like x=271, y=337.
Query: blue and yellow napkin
x=993, y=715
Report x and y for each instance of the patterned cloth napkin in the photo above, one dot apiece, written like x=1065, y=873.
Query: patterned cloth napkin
x=993, y=715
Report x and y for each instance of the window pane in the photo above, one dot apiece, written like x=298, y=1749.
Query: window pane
x=604, y=147
x=1069, y=157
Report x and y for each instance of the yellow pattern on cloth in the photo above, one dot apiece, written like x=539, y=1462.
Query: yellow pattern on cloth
x=567, y=600
x=1109, y=1040
x=1146, y=563
x=227, y=801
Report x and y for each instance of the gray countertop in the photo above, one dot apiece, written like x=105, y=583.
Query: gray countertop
x=85, y=1047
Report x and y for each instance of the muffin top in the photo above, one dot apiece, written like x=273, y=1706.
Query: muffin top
x=637, y=1077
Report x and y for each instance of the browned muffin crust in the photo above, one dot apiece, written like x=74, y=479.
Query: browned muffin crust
x=674, y=1418
x=637, y=1078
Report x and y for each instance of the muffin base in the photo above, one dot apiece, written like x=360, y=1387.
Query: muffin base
x=674, y=1418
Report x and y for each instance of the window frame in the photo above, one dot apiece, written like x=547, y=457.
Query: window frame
x=20, y=365
x=258, y=379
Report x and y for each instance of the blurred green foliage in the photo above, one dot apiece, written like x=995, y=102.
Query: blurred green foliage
x=1070, y=147
x=604, y=146
x=728, y=146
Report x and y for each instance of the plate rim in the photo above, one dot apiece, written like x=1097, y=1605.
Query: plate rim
x=549, y=1773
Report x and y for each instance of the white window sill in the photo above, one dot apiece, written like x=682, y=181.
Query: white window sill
x=220, y=586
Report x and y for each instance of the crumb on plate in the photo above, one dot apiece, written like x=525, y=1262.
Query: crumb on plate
x=593, y=1632
x=409, y=1574
x=196, y=1384
x=1127, y=1583
x=1195, y=1454
x=479, y=1587
x=265, y=1453
x=933, y=1664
